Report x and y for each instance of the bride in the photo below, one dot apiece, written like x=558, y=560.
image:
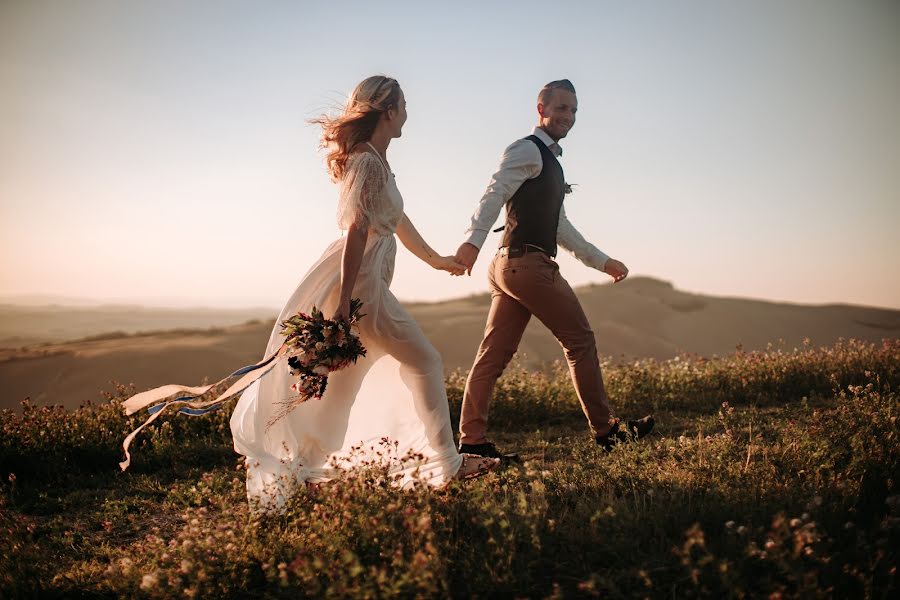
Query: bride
x=394, y=397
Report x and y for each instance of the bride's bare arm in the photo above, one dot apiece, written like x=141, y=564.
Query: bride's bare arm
x=354, y=248
x=412, y=239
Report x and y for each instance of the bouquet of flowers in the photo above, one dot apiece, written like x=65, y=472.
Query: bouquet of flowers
x=316, y=346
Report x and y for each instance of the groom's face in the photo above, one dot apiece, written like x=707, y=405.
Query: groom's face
x=558, y=114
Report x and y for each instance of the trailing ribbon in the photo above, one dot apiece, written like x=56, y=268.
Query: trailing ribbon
x=191, y=406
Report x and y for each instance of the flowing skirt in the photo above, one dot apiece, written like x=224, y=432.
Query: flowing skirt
x=394, y=397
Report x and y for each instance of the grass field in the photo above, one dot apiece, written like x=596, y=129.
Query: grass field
x=770, y=474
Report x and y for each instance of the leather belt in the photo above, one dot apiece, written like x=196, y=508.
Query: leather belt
x=516, y=251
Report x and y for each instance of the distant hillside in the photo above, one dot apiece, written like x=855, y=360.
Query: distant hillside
x=25, y=324
x=638, y=318
x=644, y=317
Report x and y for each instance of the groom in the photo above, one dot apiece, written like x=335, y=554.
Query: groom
x=525, y=280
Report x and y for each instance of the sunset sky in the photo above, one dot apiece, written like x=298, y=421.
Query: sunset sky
x=158, y=152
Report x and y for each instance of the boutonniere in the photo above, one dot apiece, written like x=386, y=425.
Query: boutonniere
x=568, y=187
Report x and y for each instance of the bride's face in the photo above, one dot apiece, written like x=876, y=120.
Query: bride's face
x=397, y=116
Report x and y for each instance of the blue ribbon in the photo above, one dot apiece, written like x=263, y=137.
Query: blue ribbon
x=196, y=412
x=249, y=368
x=186, y=410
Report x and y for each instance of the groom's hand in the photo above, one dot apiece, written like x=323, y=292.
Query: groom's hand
x=615, y=269
x=466, y=255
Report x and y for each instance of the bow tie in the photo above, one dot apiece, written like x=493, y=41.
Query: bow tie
x=555, y=149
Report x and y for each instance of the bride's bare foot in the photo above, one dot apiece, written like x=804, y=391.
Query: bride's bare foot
x=475, y=466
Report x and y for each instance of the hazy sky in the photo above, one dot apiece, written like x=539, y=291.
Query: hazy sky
x=158, y=152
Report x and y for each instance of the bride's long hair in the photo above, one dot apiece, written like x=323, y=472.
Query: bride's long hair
x=355, y=125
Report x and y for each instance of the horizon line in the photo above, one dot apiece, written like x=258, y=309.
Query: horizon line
x=47, y=300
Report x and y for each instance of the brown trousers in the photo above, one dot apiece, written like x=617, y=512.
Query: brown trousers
x=520, y=287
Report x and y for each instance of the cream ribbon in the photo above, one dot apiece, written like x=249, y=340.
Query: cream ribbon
x=139, y=401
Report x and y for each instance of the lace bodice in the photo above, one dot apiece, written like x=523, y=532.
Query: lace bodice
x=369, y=195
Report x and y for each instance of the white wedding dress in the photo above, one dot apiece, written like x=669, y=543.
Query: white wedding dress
x=396, y=392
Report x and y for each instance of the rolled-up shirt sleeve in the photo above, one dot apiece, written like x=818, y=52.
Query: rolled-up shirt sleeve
x=573, y=242
x=521, y=161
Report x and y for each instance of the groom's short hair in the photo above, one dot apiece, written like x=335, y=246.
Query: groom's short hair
x=546, y=92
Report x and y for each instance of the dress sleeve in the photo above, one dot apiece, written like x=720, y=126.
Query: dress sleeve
x=363, y=196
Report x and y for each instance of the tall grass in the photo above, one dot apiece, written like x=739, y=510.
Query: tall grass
x=772, y=474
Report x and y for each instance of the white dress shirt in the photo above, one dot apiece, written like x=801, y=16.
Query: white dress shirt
x=521, y=161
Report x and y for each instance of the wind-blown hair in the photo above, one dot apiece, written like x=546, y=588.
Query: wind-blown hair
x=356, y=123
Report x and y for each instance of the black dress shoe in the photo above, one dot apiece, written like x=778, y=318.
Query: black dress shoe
x=487, y=449
x=622, y=434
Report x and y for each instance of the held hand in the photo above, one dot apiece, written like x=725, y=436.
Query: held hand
x=615, y=269
x=449, y=264
x=342, y=312
x=466, y=256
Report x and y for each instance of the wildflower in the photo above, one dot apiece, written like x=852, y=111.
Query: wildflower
x=126, y=565
x=149, y=581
